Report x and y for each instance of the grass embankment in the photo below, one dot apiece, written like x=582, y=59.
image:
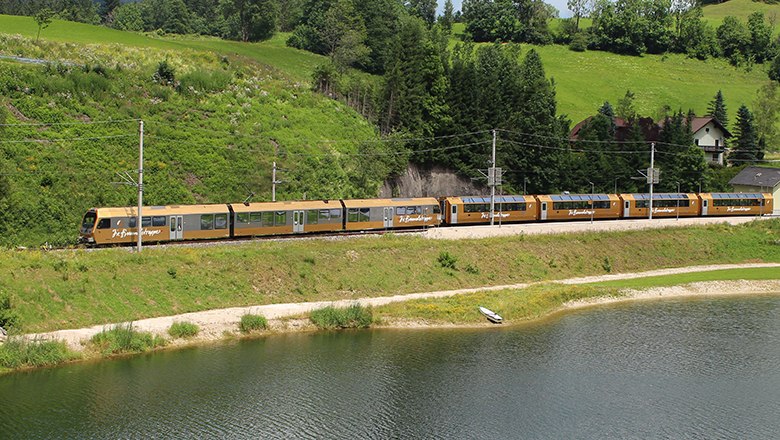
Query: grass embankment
x=517, y=305
x=73, y=289
x=715, y=13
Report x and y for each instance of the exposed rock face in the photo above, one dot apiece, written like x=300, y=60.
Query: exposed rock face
x=418, y=182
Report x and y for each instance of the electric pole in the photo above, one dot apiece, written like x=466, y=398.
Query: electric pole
x=273, y=183
x=492, y=181
x=140, y=182
x=651, y=176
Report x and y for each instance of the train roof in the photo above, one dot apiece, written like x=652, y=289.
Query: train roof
x=659, y=196
x=486, y=199
x=286, y=206
x=372, y=203
x=577, y=197
x=160, y=210
x=735, y=195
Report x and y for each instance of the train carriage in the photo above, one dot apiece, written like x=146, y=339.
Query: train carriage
x=664, y=205
x=718, y=204
x=578, y=206
x=276, y=218
x=476, y=209
x=391, y=213
x=159, y=223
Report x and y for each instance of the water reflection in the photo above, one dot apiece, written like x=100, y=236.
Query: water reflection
x=687, y=368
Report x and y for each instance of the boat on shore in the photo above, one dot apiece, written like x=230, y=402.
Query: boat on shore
x=492, y=316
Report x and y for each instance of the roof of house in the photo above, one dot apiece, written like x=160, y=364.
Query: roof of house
x=650, y=130
x=698, y=122
x=757, y=176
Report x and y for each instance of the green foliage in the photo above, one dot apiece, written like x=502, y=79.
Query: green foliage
x=746, y=147
x=717, y=109
x=18, y=352
x=183, y=330
x=579, y=43
x=354, y=316
x=165, y=73
x=9, y=318
x=125, y=339
x=250, y=323
x=43, y=19
x=447, y=260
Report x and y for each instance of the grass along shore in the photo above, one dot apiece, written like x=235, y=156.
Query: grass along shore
x=74, y=289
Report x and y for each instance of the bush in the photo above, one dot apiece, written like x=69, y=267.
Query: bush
x=579, y=43
x=183, y=330
x=8, y=317
x=250, y=323
x=20, y=353
x=165, y=74
x=354, y=316
x=125, y=339
x=204, y=81
x=447, y=260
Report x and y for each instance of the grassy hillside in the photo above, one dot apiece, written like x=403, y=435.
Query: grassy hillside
x=210, y=137
x=54, y=290
x=584, y=80
x=714, y=14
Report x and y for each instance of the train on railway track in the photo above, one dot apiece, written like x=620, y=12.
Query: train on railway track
x=115, y=226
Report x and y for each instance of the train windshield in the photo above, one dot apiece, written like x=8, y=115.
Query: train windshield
x=88, y=223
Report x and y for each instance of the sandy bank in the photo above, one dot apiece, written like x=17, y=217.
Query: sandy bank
x=214, y=324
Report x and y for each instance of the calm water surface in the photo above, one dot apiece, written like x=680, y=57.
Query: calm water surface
x=704, y=368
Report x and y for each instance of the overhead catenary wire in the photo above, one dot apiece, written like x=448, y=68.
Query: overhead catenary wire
x=54, y=124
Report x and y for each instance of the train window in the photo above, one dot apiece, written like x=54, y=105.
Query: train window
x=601, y=204
x=146, y=222
x=280, y=218
x=207, y=222
x=400, y=210
x=353, y=214
x=312, y=217
x=544, y=206
x=365, y=214
x=454, y=209
x=335, y=213
x=104, y=223
x=243, y=217
x=324, y=215
x=268, y=219
x=436, y=209
x=628, y=204
x=220, y=221
x=158, y=220
x=256, y=218
x=133, y=222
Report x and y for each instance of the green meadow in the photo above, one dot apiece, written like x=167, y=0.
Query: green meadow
x=72, y=289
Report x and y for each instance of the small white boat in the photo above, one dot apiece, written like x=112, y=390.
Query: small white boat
x=491, y=315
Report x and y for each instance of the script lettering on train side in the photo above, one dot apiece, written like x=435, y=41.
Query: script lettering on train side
x=124, y=233
x=573, y=212
x=495, y=215
x=662, y=210
x=737, y=209
x=414, y=218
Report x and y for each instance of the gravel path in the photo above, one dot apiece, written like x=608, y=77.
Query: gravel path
x=215, y=323
x=456, y=233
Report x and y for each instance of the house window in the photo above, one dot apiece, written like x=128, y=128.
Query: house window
x=717, y=142
x=697, y=142
x=707, y=129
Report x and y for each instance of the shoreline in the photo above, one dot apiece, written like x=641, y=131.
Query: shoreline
x=222, y=324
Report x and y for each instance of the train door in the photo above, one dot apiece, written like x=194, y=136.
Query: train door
x=626, y=208
x=454, y=214
x=543, y=215
x=388, y=217
x=704, y=204
x=298, y=221
x=177, y=227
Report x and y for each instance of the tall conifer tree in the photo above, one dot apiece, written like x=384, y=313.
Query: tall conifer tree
x=717, y=109
x=745, y=148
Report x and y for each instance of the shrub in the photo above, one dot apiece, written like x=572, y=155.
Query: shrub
x=8, y=317
x=183, y=330
x=579, y=43
x=250, y=323
x=447, y=260
x=125, y=339
x=354, y=316
x=165, y=74
x=204, y=81
x=20, y=353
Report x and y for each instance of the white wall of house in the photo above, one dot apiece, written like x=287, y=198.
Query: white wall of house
x=754, y=189
x=710, y=136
